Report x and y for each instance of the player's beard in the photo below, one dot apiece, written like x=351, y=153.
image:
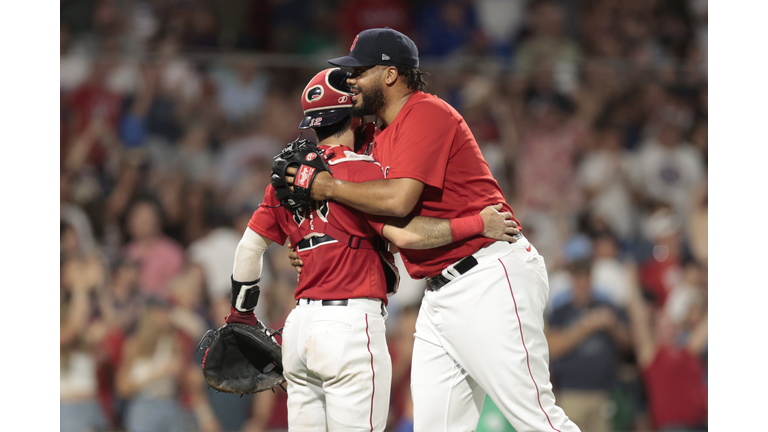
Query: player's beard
x=372, y=103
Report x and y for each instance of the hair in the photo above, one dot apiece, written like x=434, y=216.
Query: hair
x=414, y=78
x=337, y=129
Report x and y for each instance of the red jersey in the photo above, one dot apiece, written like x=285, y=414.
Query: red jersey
x=674, y=382
x=429, y=141
x=332, y=270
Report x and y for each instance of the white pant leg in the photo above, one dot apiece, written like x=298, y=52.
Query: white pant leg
x=344, y=349
x=491, y=323
x=444, y=397
x=306, y=400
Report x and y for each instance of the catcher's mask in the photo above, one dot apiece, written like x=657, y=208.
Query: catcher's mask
x=326, y=99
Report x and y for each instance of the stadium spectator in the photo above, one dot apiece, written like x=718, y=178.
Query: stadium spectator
x=601, y=175
x=187, y=295
x=666, y=168
x=446, y=28
x=150, y=373
x=662, y=271
x=613, y=275
x=241, y=91
x=215, y=253
x=586, y=337
x=672, y=372
x=545, y=169
x=95, y=110
x=149, y=114
x=81, y=333
x=159, y=257
x=74, y=215
x=549, y=42
x=358, y=15
x=698, y=224
x=502, y=22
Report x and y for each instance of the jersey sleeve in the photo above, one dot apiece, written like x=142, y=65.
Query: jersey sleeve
x=423, y=144
x=366, y=171
x=264, y=220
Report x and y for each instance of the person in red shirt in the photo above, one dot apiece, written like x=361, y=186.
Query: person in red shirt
x=335, y=357
x=480, y=328
x=672, y=373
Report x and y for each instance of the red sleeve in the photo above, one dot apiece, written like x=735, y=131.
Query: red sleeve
x=265, y=220
x=362, y=172
x=423, y=144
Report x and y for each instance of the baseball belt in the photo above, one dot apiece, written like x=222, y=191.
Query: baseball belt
x=327, y=302
x=344, y=302
x=434, y=283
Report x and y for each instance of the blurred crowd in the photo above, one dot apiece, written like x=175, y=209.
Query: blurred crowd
x=592, y=115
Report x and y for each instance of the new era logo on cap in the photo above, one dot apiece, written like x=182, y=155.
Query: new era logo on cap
x=384, y=57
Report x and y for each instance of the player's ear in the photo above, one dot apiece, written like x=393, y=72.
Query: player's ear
x=390, y=75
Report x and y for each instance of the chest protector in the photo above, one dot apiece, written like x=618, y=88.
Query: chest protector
x=321, y=223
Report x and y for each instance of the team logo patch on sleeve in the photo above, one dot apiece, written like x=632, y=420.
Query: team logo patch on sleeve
x=303, y=176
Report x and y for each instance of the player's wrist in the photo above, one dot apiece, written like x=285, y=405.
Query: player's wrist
x=323, y=186
x=465, y=227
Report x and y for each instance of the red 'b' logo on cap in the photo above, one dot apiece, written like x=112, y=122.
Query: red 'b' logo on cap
x=353, y=43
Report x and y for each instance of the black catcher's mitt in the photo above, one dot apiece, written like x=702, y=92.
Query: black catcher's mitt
x=242, y=359
x=309, y=161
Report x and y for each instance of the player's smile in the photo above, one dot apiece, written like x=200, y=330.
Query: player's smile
x=355, y=94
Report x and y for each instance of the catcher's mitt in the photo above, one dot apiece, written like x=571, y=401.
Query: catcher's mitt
x=309, y=161
x=242, y=359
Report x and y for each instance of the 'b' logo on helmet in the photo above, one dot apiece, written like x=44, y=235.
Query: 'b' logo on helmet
x=311, y=156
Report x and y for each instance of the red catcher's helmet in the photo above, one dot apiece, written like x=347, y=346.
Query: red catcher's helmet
x=326, y=99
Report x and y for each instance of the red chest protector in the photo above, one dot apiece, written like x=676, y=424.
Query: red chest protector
x=323, y=225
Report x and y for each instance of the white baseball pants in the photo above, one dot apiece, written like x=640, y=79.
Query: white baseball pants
x=337, y=367
x=484, y=332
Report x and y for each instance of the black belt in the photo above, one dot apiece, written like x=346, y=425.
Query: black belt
x=434, y=283
x=314, y=241
x=328, y=302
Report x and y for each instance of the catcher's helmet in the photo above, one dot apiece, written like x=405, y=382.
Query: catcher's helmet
x=326, y=99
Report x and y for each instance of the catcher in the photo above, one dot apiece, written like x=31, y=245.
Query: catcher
x=334, y=355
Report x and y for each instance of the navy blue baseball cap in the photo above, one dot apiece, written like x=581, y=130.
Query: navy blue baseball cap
x=380, y=46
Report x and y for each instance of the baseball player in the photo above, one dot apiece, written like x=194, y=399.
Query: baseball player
x=480, y=326
x=335, y=358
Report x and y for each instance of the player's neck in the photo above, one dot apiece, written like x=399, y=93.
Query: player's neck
x=346, y=139
x=391, y=109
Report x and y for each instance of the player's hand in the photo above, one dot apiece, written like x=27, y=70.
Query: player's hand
x=499, y=225
x=296, y=262
x=321, y=186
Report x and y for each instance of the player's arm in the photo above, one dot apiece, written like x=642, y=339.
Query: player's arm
x=425, y=232
x=386, y=197
x=246, y=274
